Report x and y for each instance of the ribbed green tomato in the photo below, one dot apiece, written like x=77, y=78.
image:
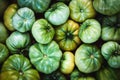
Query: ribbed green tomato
x=67, y=62
x=106, y=73
x=88, y=58
x=17, y=42
x=107, y=7
x=67, y=35
x=3, y=33
x=77, y=75
x=111, y=28
x=4, y=53
x=111, y=52
x=45, y=57
x=18, y=67
x=42, y=31
x=90, y=31
x=23, y=19
x=80, y=10
x=58, y=13
x=8, y=15
x=39, y=6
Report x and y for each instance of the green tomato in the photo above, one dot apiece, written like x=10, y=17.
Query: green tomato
x=18, y=67
x=8, y=15
x=107, y=7
x=42, y=31
x=39, y=6
x=17, y=41
x=67, y=35
x=77, y=75
x=58, y=13
x=54, y=76
x=111, y=28
x=106, y=73
x=88, y=58
x=67, y=62
x=80, y=10
x=111, y=52
x=23, y=19
x=4, y=53
x=90, y=31
x=45, y=57
x=3, y=33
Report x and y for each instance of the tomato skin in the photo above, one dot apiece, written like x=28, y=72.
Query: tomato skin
x=67, y=62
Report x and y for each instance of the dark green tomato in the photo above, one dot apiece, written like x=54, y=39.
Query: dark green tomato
x=17, y=42
x=107, y=7
x=3, y=6
x=106, y=73
x=45, y=57
x=39, y=6
x=90, y=31
x=18, y=67
x=4, y=53
x=3, y=33
x=8, y=15
x=58, y=13
x=111, y=28
x=81, y=10
x=77, y=75
x=42, y=31
x=54, y=76
x=23, y=19
x=67, y=35
x=88, y=58
x=111, y=52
